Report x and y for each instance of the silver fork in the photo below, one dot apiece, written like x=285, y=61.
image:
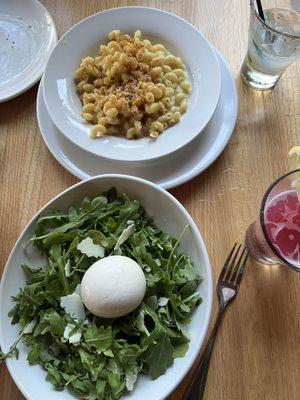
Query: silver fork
x=227, y=288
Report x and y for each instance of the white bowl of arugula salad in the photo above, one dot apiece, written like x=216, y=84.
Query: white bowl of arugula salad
x=66, y=352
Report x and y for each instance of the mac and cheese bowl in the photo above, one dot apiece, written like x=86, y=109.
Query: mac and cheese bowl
x=95, y=114
x=132, y=88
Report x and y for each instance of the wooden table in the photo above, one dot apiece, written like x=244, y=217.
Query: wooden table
x=257, y=354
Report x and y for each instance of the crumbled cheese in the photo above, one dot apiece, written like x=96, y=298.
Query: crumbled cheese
x=108, y=353
x=46, y=330
x=78, y=289
x=68, y=269
x=29, y=327
x=87, y=247
x=130, y=380
x=73, y=305
x=125, y=235
x=162, y=301
x=75, y=337
x=117, y=252
x=140, y=323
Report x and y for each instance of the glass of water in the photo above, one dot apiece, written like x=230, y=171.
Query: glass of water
x=273, y=45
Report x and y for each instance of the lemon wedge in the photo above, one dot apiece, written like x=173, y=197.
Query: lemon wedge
x=294, y=155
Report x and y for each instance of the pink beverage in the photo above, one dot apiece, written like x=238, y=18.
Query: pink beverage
x=274, y=238
x=282, y=225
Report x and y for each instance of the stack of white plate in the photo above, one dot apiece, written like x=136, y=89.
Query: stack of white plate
x=178, y=154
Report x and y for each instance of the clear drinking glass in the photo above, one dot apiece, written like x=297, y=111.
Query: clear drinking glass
x=275, y=237
x=273, y=45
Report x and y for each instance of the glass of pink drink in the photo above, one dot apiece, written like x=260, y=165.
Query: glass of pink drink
x=275, y=237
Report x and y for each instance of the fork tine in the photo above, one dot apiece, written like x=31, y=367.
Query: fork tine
x=231, y=265
x=242, y=269
x=224, y=269
x=235, y=268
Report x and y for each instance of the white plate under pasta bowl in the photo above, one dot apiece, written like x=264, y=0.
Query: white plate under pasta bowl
x=168, y=172
x=83, y=39
x=169, y=215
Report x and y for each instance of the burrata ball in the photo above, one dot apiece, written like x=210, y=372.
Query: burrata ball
x=113, y=286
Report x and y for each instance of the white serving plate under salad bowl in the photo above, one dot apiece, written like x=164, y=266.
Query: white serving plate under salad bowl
x=84, y=39
x=169, y=215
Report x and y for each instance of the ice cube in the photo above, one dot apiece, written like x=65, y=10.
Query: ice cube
x=283, y=20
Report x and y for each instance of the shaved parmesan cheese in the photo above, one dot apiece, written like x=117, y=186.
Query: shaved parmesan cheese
x=108, y=353
x=130, y=380
x=125, y=235
x=73, y=305
x=75, y=337
x=147, y=269
x=29, y=327
x=78, y=290
x=68, y=269
x=87, y=247
x=162, y=301
x=46, y=330
x=118, y=252
x=140, y=323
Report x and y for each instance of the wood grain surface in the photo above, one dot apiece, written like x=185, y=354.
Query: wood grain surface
x=257, y=354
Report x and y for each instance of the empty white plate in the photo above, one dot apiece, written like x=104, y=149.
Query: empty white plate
x=27, y=36
x=84, y=39
x=169, y=172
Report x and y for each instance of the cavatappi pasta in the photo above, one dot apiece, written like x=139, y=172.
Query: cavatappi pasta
x=132, y=88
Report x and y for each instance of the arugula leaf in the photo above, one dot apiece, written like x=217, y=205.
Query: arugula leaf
x=87, y=359
x=57, y=323
x=12, y=350
x=100, y=387
x=55, y=377
x=34, y=354
x=181, y=349
x=99, y=338
x=161, y=355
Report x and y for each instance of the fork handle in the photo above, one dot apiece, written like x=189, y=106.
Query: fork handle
x=197, y=386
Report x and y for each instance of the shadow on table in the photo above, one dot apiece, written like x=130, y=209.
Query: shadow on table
x=19, y=107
